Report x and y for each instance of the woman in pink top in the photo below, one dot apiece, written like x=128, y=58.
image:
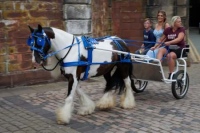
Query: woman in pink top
x=173, y=35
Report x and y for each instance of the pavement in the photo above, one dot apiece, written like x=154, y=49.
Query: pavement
x=30, y=109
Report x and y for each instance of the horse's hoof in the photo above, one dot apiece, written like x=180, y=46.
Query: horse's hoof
x=105, y=106
x=62, y=116
x=127, y=105
x=59, y=122
x=84, y=111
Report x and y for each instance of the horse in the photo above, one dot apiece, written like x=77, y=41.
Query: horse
x=69, y=57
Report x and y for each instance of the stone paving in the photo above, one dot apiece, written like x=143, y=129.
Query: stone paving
x=30, y=109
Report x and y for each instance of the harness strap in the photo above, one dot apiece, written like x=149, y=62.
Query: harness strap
x=119, y=47
x=87, y=45
x=59, y=61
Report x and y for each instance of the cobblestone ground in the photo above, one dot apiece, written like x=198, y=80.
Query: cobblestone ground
x=31, y=109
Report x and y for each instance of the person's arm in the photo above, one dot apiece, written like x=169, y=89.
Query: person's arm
x=142, y=46
x=177, y=40
x=159, y=43
x=167, y=25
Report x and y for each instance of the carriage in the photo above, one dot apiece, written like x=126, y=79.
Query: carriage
x=79, y=58
x=150, y=69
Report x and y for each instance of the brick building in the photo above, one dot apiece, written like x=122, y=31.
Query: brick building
x=15, y=57
x=89, y=17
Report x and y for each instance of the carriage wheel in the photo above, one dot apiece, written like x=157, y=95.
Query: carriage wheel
x=138, y=85
x=179, y=90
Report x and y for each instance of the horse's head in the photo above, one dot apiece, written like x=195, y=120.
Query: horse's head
x=40, y=43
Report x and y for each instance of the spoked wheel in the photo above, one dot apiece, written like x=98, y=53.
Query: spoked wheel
x=179, y=90
x=138, y=85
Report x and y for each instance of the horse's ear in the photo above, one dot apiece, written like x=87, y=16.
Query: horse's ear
x=39, y=28
x=31, y=29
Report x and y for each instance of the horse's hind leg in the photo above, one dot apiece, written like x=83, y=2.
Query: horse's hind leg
x=87, y=105
x=127, y=99
x=108, y=100
x=65, y=112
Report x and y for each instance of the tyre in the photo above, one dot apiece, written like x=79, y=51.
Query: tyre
x=138, y=85
x=179, y=90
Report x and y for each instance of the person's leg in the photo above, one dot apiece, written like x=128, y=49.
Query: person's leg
x=171, y=58
x=137, y=52
x=155, y=53
x=161, y=53
x=149, y=53
x=145, y=51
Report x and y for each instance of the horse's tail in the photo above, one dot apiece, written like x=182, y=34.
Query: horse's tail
x=115, y=81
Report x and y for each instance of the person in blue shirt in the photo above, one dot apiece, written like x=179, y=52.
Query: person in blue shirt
x=149, y=38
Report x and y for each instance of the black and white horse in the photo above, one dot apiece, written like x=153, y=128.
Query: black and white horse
x=73, y=58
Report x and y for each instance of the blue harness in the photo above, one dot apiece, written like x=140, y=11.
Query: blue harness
x=89, y=45
x=40, y=39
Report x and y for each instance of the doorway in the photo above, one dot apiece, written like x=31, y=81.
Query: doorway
x=194, y=17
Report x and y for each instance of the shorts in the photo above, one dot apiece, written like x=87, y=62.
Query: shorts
x=153, y=53
x=178, y=52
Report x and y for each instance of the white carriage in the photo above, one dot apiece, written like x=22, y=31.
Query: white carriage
x=150, y=69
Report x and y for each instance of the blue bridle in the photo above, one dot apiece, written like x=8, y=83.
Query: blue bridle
x=41, y=40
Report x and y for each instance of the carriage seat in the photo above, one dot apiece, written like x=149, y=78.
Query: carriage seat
x=184, y=56
x=187, y=50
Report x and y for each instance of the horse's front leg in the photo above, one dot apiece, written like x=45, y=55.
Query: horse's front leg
x=64, y=113
x=87, y=106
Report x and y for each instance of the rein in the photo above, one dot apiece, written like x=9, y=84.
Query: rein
x=59, y=61
x=88, y=45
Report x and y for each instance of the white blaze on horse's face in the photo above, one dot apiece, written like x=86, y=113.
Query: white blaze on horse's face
x=33, y=57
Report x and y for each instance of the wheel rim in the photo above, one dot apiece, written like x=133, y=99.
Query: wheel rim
x=139, y=84
x=180, y=88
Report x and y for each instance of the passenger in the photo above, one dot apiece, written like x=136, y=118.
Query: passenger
x=173, y=36
x=158, y=31
x=149, y=38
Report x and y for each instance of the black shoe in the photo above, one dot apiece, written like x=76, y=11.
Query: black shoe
x=169, y=75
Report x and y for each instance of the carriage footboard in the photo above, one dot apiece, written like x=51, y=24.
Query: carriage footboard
x=147, y=72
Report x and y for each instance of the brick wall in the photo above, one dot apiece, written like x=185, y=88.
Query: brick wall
x=127, y=20
x=109, y=17
x=123, y=18
x=15, y=57
x=101, y=18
